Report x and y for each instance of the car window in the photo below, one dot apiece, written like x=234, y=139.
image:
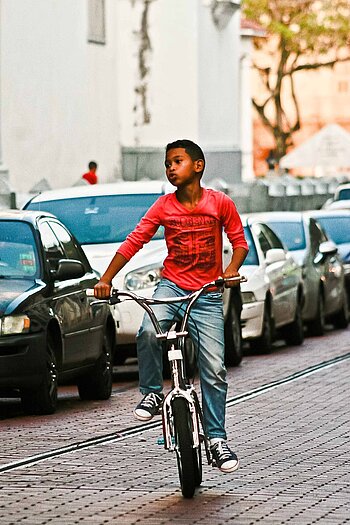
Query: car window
x=337, y=228
x=291, y=234
x=262, y=239
x=273, y=240
x=344, y=194
x=66, y=241
x=18, y=252
x=52, y=248
x=100, y=219
x=252, y=256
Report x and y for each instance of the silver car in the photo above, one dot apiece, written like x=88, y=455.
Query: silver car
x=336, y=224
x=322, y=267
x=273, y=294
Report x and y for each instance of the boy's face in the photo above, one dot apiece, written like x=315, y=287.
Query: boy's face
x=180, y=169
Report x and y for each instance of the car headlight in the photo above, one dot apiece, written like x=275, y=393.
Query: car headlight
x=248, y=297
x=14, y=324
x=146, y=277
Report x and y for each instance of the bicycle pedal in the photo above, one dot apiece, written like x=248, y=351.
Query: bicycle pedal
x=160, y=441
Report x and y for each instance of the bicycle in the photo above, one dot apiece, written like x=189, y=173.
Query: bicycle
x=182, y=417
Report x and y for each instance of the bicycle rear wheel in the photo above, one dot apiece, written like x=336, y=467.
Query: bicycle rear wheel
x=188, y=458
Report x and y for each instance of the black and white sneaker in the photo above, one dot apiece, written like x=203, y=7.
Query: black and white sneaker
x=223, y=457
x=149, y=406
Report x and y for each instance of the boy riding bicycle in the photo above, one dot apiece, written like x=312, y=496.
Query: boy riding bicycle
x=193, y=218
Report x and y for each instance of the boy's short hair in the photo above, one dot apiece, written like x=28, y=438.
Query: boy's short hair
x=92, y=164
x=192, y=149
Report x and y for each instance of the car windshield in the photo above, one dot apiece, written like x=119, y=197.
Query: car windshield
x=103, y=218
x=18, y=253
x=337, y=228
x=344, y=194
x=252, y=257
x=291, y=234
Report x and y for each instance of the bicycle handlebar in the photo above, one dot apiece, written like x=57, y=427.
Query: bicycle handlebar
x=217, y=283
x=145, y=302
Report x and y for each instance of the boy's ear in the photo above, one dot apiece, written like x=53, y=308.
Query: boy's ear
x=199, y=165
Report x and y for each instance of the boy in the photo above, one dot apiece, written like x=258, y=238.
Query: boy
x=193, y=218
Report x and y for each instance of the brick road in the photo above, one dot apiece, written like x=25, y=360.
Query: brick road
x=293, y=443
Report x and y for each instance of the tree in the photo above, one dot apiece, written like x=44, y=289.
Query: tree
x=301, y=35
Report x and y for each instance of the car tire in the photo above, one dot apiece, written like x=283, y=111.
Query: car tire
x=318, y=325
x=294, y=332
x=97, y=384
x=341, y=318
x=233, y=334
x=43, y=400
x=263, y=344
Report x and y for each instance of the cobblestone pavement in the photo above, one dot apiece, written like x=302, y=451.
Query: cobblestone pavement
x=292, y=440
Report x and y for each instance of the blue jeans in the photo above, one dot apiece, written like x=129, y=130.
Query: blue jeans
x=206, y=328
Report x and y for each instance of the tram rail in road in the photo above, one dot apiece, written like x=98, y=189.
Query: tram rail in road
x=140, y=429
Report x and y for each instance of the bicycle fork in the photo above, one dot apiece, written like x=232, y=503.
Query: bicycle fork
x=180, y=389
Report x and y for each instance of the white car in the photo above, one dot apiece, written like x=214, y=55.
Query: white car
x=101, y=216
x=273, y=294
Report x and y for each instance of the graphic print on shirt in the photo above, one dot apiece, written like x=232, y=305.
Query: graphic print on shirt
x=194, y=241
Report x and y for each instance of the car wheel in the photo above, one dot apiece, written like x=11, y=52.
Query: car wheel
x=263, y=344
x=97, y=384
x=341, y=318
x=43, y=400
x=318, y=325
x=233, y=336
x=294, y=332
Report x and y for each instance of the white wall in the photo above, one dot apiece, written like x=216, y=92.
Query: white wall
x=193, y=79
x=172, y=79
x=59, y=95
x=65, y=101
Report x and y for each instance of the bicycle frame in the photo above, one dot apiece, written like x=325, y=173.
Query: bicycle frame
x=175, y=346
x=181, y=411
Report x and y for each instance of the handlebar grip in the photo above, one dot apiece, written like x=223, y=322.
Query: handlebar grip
x=222, y=280
x=90, y=292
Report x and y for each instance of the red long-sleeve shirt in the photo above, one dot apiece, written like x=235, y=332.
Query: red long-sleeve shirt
x=193, y=237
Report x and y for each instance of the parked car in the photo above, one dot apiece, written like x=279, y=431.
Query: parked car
x=323, y=271
x=336, y=224
x=101, y=216
x=273, y=294
x=50, y=331
x=340, y=199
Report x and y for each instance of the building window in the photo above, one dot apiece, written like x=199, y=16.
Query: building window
x=96, y=21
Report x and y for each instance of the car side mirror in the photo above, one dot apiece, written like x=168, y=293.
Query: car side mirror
x=275, y=255
x=69, y=269
x=326, y=248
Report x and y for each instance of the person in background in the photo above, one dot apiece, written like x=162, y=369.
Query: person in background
x=90, y=176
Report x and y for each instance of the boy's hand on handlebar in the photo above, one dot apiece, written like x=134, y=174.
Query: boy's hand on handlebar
x=231, y=273
x=102, y=290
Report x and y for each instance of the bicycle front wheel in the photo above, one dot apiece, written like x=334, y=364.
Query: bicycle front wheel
x=188, y=458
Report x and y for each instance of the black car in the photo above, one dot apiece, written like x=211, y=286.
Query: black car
x=50, y=331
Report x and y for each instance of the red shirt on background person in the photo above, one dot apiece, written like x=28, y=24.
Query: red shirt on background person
x=90, y=176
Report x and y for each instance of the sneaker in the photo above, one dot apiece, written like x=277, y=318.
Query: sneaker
x=149, y=406
x=223, y=457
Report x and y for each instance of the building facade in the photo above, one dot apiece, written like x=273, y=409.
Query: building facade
x=114, y=81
